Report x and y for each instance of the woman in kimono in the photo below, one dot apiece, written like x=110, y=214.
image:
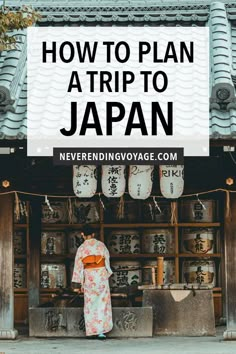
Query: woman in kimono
x=92, y=270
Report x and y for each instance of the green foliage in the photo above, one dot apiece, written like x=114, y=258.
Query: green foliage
x=14, y=20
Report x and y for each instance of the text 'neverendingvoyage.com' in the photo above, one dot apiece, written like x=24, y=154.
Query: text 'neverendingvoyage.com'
x=142, y=156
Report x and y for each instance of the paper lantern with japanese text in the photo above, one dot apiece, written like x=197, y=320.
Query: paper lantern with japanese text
x=113, y=180
x=84, y=180
x=171, y=180
x=140, y=181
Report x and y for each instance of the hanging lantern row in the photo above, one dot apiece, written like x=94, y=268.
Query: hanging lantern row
x=140, y=181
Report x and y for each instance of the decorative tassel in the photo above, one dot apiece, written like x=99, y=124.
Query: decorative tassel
x=200, y=202
x=48, y=203
x=25, y=209
x=227, y=209
x=17, y=207
x=151, y=212
x=96, y=214
x=100, y=199
x=173, y=219
x=121, y=209
x=156, y=205
x=70, y=211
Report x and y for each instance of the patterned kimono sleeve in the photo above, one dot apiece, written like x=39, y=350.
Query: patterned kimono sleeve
x=78, y=273
x=107, y=261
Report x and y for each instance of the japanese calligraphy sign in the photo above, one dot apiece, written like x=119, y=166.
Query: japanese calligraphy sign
x=124, y=241
x=158, y=241
x=201, y=272
x=198, y=240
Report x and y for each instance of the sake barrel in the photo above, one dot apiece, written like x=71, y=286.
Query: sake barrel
x=152, y=214
x=125, y=273
x=159, y=241
x=53, y=242
x=199, y=271
x=20, y=275
x=84, y=180
x=194, y=211
x=74, y=241
x=53, y=275
x=113, y=180
x=140, y=181
x=124, y=241
x=19, y=242
x=198, y=240
x=85, y=212
x=117, y=211
x=149, y=272
x=57, y=214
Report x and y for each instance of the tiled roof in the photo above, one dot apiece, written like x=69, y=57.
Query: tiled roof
x=222, y=116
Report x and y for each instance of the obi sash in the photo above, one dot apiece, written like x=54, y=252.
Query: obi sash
x=93, y=262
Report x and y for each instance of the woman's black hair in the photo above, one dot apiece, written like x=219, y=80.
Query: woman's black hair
x=87, y=230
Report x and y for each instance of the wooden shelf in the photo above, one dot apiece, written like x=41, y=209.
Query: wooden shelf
x=20, y=226
x=137, y=225
x=199, y=224
x=104, y=229
x=202, y=255
x=20, y=290
x=49, y=290
x=142, y=255
x=66, y=226
x=20, y=256
x=53, y=258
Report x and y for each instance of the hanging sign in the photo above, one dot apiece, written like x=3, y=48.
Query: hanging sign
x=84, y=180
x=113, y=180
x=171, y=180
x=140, y=181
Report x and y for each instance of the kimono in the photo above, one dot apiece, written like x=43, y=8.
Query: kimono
x=94, y=281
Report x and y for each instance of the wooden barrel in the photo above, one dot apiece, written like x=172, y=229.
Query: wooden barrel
x=124, y=241
x=53, y=275
x=125, y=273
x=198, y=240
x=148, y=276
x=58, y=214
x=152, y=214
x=158, y=241
x=112, y=212
x=85, y=212
x=74, y=241
x=19, y=242
x=53, y=242
x=20, y=275
x=199, y=271
x=193, y=211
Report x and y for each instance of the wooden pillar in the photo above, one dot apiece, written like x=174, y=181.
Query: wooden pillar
x=230, y=270
x=34, y=253
x=6, y=268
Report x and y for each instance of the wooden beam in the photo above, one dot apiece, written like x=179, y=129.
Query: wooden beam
x=230, y=269
x=6, y=266
x=34, y=256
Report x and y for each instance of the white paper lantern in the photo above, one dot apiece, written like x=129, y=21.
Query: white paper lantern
x=172, y=181
x=84, y=180
x=113, y=180
x=140, y=181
